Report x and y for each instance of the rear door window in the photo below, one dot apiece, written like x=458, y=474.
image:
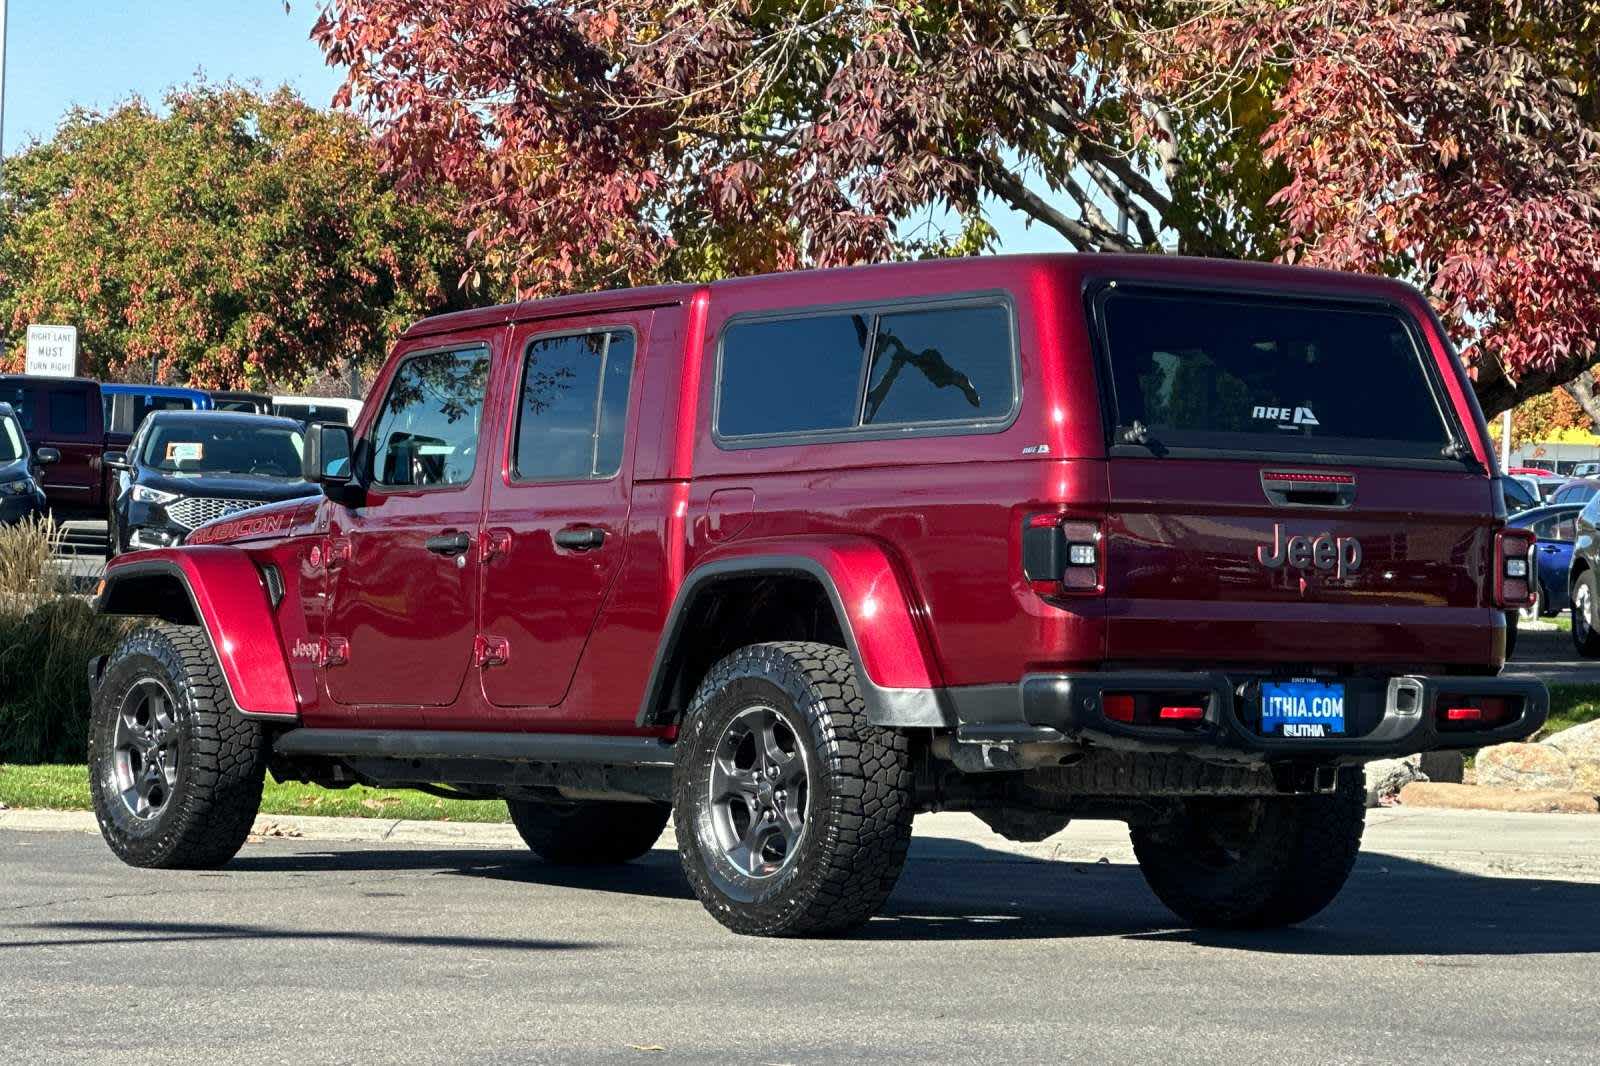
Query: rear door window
x=574, y=406
x=1226, y=372
x=69, y=412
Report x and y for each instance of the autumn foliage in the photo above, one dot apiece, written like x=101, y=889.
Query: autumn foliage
x=238, y=240
x=596, y=143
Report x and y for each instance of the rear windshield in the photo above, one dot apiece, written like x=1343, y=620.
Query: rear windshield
x=1267, y=374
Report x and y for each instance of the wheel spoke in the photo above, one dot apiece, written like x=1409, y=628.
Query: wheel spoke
x=144, y=748
x=758, y=785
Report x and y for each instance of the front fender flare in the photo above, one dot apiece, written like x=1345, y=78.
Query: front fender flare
x=227, y=598
x=895, y=669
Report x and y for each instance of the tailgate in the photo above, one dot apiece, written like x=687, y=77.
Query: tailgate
x=1202, y=565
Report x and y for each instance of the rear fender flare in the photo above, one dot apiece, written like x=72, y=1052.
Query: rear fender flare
x=220, y=589
x=895, y=671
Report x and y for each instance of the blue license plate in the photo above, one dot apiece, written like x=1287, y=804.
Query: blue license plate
x=1302, y=709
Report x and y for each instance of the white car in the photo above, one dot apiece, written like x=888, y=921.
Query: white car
x=308, y=409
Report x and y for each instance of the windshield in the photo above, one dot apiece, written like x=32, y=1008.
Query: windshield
x=181, y=448
x=10, y=440
x=1268, y=374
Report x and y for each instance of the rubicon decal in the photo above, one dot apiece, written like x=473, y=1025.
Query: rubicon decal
x=1324, y=551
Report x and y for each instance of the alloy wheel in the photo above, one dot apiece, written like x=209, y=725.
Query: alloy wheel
x=145, y=749
x=760, y=790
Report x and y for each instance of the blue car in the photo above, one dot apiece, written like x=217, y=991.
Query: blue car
x=126, y=405
x=1556, y=527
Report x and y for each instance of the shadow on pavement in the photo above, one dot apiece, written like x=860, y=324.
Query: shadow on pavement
x=172, y=932
x=959, y=890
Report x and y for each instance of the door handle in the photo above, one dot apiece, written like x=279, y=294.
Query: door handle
x=580, y=538
x=449, y=543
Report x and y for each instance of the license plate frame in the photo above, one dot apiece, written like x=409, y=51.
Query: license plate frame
x=1303, y=708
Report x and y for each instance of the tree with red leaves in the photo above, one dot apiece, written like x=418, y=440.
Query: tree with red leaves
x=594, y=144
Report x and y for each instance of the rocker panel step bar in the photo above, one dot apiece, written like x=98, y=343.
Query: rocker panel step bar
x=503, y=747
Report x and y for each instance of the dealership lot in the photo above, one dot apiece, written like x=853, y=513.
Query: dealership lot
x=1461, y=938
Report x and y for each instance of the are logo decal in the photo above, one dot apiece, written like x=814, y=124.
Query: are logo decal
x=1286, y=417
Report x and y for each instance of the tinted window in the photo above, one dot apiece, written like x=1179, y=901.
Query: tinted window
x=952, y=364
x=1575, y=494
x=22, y=401
x=940, y=366
x=427, y=430
x=1518, y=498
x=791, y=376
x=1565, y=529
x=1263, y=374
x=69, y=412
x=307, y=412
x=574, y=406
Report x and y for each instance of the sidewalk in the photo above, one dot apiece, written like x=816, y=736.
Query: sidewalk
x=1477, y=842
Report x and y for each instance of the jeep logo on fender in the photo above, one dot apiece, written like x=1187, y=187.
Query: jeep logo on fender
x=1322, y=552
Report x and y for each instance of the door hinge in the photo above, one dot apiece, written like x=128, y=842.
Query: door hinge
x=335, y=651
x=338, y=552
x=493, y=542
x=493, y=651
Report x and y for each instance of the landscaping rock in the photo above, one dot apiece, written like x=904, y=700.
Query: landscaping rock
x=1478, y=798
x=1386, y=777
x=1525, y=766
x=1581, y=746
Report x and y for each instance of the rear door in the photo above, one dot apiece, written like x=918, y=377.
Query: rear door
x=1288, y=484
x=555, y=531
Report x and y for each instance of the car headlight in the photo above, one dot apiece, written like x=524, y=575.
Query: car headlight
x=146, y=494
x=19, y=487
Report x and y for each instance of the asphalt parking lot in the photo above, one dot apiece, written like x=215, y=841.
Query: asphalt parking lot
x=1462, y=938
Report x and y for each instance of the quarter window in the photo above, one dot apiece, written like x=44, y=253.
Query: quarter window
x=427, y=431
x=847, y=371
x=574, y=406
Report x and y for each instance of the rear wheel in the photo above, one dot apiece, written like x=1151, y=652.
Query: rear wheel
x=793, y=813
x=1254, y=863
x=1585, y=596
x=175, y=771
x=588, y=833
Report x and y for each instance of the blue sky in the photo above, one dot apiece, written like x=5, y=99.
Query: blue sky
x=95, y=53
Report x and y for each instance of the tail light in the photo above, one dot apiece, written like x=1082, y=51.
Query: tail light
x=1172, y=710
x=1461, y=713
x=1513, y=568
x=1062, y=554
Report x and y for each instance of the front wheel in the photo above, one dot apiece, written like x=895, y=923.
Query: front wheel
x=175, y=771
x=1585, y=595
x=1254, y=863
x=793, y=812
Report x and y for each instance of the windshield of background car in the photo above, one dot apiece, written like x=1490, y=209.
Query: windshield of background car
x=10, y=440
x=1229, y=372
x=190, y=448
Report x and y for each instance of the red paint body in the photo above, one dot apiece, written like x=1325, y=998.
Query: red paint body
x=920, y=535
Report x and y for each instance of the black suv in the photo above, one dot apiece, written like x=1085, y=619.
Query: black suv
x=186, y=468
x=20, y=492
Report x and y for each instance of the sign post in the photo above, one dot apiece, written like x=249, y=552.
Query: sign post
x=53, y=351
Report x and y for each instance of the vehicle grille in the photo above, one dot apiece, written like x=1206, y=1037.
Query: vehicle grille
x=193, y=511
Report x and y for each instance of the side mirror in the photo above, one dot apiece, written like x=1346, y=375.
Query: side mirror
x=115, y=460
x=46, y=456
x=326, y=459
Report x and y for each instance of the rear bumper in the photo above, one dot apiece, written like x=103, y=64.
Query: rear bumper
x=1386, y=716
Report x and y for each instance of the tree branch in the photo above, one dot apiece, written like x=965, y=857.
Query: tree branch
x=1082, y=236
x=1581, y=389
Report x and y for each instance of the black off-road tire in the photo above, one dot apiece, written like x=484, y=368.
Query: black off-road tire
x=857, y=820
x=220, y=756
x=1585, y=637
x=1254, y=863
x=591, y=832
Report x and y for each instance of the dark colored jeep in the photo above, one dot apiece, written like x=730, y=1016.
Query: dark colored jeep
x=1175, y=542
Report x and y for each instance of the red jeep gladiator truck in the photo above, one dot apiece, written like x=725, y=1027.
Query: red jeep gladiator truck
x=791, y=558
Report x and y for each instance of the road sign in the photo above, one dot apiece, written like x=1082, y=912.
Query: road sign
x=53, y=351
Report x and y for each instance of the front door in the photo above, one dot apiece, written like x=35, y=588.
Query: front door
x=556, y=522
x=403, y=565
